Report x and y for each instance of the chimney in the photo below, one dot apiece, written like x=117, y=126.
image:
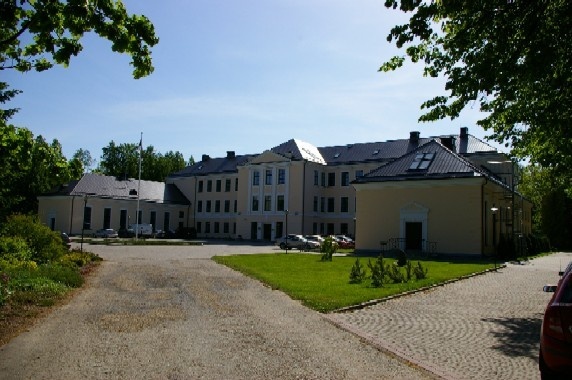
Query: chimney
x=230, y=154
x=205, y=158
x=414, y=137
x=464, y=132
x=449, y=143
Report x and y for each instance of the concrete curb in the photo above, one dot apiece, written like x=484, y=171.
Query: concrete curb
x=410, y=292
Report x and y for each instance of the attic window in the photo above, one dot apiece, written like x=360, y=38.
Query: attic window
x=422, y=161
x=376, y=151
x=132, y=192
x=336, y=155
x=200, y=167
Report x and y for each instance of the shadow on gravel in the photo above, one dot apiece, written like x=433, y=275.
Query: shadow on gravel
x=517, y=336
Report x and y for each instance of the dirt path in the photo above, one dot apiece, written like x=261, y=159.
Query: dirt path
x=154, y=313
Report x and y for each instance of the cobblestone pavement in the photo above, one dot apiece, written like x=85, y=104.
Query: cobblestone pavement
x=484, y=327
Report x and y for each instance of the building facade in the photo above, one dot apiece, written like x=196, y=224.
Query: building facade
x=296, y=187
x=459, y=198
x=96, y=201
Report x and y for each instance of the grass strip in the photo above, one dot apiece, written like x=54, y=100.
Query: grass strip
x=325, y=286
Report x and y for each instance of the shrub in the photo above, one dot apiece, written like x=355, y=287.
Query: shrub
x=408, y=271
x=13, y=249
x=378, y=272
x=420, y=272
x=63, y=275
x=357, y=273
x=36, y=290
x=5, y=291
x=395, y=274
x=45, y=244
x=328, y=248
x=77, y=259
x=401, y=258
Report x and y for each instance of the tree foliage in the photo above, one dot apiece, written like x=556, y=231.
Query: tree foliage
x=123, y=161
x=512, y=58
x=552, y=204
x=45, y=245
x=29, y=166
x=36, y=35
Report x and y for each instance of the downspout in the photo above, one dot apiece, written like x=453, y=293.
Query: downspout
x=71, y=216
x=483, y=217
x=195, y=208
x=304, y=196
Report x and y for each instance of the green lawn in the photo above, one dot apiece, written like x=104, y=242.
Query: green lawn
x=324, y=286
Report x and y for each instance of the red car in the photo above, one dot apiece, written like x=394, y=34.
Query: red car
x=555, y=357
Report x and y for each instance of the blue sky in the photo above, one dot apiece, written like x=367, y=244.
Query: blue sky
x=238, y=75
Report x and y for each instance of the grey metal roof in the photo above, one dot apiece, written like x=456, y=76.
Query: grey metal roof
x=111, y=187
x=389, y=150
x=382, y=152
x=214, y=165
x=444, y=163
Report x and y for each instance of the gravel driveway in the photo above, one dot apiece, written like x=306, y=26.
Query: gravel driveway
x=172, y=313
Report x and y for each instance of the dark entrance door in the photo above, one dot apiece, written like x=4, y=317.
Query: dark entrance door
x=267, y=232
x=413, y=235
x=253, y=230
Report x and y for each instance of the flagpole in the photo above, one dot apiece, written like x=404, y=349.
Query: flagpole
x=139, y=187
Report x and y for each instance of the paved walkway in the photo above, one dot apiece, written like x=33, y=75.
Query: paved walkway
x=485, y=327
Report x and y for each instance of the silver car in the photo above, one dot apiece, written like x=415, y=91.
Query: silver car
x=297, y=242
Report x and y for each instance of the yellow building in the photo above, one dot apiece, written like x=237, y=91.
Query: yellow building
x=435, y=200
x=96, y=201
x=298, y=188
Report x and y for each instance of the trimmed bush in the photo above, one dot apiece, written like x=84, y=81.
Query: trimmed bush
x=328, y=248
x=395, y=275
x=357, y=273
x=378, y=272
x=420, y=272
x=401, y=258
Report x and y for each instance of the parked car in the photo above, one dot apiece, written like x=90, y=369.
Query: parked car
x=66, y=241
x=126, y=233
x=297, y=241
x=343, y=241
x=315, y=238
x=169, y=234
x=106, y=233
x=555, y=356
x=142, y=229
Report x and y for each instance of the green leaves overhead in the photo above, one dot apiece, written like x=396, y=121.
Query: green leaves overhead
x=37, y=34
x=511, y=58
x=30, y=166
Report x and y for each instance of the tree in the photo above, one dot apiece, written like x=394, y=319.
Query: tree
x=512, y=58
x=120, y=160
x=84, y=157
x=552, y=204
x=36, y=35
x=5, y=95
x=29, y=166
x=123, y=161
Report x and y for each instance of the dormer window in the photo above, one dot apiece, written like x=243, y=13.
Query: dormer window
x=422, y=161
x=336, y=155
